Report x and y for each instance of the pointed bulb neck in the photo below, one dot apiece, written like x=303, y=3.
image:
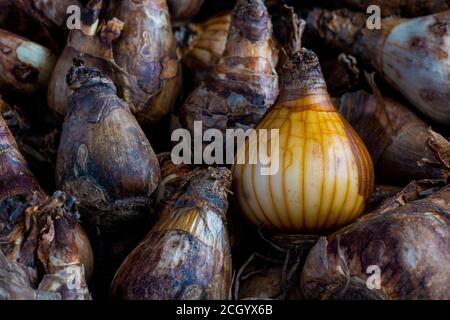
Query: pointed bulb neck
x=302, y=80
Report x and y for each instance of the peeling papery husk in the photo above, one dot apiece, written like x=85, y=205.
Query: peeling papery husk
x=380, y=194
x=25, y=66
x=104, y=157
x=173, y=178
x=403, y=147
x=19, y=246
x=288, y=31
x=244, y=84
x=182, y=11
x=39, y=240
x=206, y=46
x=15, y=176
x=405, y=242
x=408, y=8
x=412, y=55
x=18, y=187
x=133, y=44
x=187, y=253
x=43, y=21
x=36, y=137
x=341, y=74
x=111, y=249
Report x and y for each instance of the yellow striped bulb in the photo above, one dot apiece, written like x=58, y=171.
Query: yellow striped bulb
x=325, y=174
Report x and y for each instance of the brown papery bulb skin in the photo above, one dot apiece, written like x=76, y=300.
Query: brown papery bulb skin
x=206, y=48
x=407, y=238
x=412, y=55
x=403, y=147
x=408, y=8
x=380, y=194
x=244, y=84
x=104, y=158
x=173, y=178
x=16, y=243
x=135, y=47
x=85, y=251
x=186, y=255
x=341, y=74
x=57, y=250
x=325, y=174
x=16, y=180
x=40, y=238
x=15, y=176
x=25, y=66
x=182, y=11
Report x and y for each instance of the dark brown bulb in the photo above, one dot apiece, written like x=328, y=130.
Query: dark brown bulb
x=104, y=158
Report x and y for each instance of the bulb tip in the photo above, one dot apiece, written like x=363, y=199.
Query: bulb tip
x=302, y=73
x=302, y=61
x=251, y=19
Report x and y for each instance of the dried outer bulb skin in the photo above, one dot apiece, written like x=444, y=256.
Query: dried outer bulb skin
x=17, y=282
x=182, y=11
x=111, y=248
x=25, y=66
x=16, y=180
x=58, y=92
x=104, y=158
x=244, y=84
x=57, y=249
x=17, y=243
x=187, y=253
x=341, y=74
x=325, y=174
x=206, y=47
x=402, y=146
x=288, y=31
x=42, y=246
x=15, y=176
x=380, y=194
x=85, y=251
x=407, y=238
x=134, y=46
x=408, y=8
x=147, y=51
x=43, y=21
x=173, y=177
x=413, y=55
x=36, y=136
